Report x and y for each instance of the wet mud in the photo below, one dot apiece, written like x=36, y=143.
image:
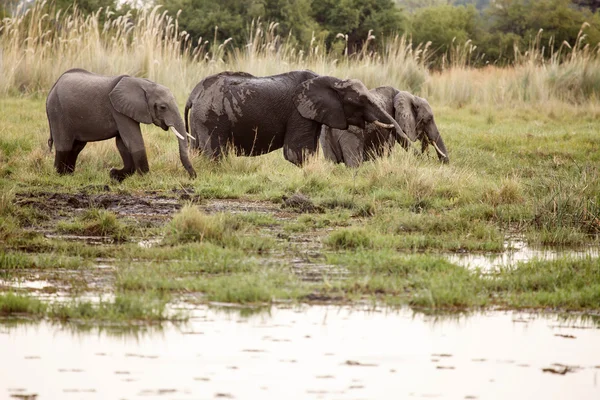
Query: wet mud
x=152, y=207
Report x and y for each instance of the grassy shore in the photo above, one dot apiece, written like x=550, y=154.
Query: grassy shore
x=525, y=162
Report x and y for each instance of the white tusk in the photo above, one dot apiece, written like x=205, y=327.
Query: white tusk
x=438, y=149
x=381, y=124
x=190, y=136
x=177, y=133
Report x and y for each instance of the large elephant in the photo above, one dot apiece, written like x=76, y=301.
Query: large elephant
x=84, y=107
x=355, y=145
x=256, y=115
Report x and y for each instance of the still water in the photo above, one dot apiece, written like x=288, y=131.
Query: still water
x=517, y=251
x=316, y=352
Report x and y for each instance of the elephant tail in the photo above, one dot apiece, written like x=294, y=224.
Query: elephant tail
x=50, y=142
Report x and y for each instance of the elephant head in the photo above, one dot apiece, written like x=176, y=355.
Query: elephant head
x=415, y=116
x=340, y=103
x=147, y=102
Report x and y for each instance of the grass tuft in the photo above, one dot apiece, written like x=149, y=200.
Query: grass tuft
x=190, y=224
x=351, y=238
x=122, y=308
x=96, y=222
x=11, y=303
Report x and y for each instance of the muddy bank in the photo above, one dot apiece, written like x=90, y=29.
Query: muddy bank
x=159, y=206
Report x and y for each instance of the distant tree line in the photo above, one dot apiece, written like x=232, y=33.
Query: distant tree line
x=490, y=28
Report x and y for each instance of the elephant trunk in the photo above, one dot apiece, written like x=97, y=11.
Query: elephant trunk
x=182, y=138
x=392, y=123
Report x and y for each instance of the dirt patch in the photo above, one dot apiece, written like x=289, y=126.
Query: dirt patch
x=153, y=207
x=148, y=205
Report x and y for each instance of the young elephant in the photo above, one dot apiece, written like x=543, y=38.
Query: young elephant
x=84, y=107
x=256, y=115
x=355, y=145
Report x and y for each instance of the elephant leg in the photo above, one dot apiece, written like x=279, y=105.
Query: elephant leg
x=330, y=146
x=66, y=154
x=301, y=139
x=351, y=145
x=210, y=141
x=73, y=154
x=63, y=145
x=61, y=162
x=132, y=145
x=128, y=165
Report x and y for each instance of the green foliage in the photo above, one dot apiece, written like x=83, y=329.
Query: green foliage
x=445, y=25
x=519, y=22
x=85, y=6
x=357, y=18
x=300, y=19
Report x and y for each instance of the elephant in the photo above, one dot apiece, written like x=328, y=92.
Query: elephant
x=413, y=114
x=256, y=115
x=85, y=107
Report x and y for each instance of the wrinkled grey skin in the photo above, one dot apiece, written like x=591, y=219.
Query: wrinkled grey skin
x=256, y=115
x=355, y=145
x=84, y=107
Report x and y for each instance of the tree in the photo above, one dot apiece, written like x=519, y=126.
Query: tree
x=200, y=17
x=356, y=18
x=558, y=19
x=445, y=25
x=84, y=6
x=593, y=5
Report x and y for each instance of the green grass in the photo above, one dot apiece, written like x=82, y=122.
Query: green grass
x=11, y=304
x=122, y=308
x=24, y=261
x=527, y=172
x=563, y=283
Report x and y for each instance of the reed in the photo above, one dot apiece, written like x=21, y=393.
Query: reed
x=37, y=45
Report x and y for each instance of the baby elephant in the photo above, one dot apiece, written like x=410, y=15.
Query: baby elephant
x=84, y=107
x=413, y=114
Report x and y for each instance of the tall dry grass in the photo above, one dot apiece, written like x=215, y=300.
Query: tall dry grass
x=36, y=47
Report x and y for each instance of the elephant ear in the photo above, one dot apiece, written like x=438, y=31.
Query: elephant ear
x=318, y=100
x=129, y=98
x=405, y=114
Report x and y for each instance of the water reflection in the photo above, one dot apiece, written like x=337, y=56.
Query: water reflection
x=517, y=251
x=308, y=352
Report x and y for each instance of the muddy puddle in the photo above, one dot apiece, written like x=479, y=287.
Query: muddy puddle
x=517, y=251
x=317, y=352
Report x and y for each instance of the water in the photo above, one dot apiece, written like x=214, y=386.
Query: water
x=518, y=251
x=309, y=352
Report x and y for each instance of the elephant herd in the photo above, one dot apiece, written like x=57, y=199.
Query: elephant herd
x=240, y=112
